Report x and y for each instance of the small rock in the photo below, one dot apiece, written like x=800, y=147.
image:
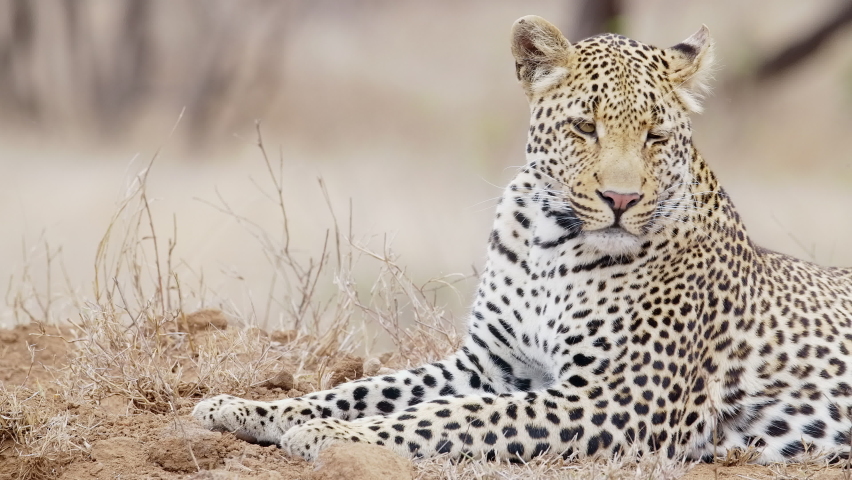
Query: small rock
x=206, y=318
x=360, y=461
x=385, y=357
x=386, y=371
x=345, y=369
x=372, y=366
x=295, y=393
x=305, y=386
x=283, y=380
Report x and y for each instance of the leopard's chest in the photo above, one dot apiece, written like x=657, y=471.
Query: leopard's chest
x=567, y=320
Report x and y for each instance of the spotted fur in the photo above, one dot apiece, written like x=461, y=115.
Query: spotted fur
x=622, y=304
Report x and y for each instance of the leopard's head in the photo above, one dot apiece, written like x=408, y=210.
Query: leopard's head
x=610, y=137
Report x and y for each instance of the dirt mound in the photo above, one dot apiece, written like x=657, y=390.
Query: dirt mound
x=358, y=461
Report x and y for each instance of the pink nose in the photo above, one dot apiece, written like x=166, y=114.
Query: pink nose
x=619, y=202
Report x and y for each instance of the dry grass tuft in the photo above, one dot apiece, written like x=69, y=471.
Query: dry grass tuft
x=36, y=436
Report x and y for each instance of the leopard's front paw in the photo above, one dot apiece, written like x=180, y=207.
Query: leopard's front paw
x=309, y=439
x=256, y=422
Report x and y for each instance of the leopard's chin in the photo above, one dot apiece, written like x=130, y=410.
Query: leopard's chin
x=613, y=241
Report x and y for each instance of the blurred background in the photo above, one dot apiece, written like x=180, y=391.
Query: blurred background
x=409, y=111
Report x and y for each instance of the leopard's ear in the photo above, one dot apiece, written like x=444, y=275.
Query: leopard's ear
x=691, y=67
x=541, y=53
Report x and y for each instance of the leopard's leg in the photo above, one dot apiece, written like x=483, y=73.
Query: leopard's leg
x=517, y=426
x=465, y=372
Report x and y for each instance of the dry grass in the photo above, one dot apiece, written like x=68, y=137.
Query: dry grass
x=38, y=430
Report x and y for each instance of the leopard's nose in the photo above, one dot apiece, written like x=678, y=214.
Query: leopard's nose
x=619, y=202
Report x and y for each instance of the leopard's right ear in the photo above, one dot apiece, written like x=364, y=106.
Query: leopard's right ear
x=541, y=53
x=691, y=66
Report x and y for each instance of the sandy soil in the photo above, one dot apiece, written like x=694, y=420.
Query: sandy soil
x=114, y=438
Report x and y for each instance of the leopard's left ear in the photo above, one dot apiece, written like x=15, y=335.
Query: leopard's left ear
x=691, y=67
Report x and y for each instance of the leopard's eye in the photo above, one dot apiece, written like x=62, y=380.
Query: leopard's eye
x=584, y=127
x=587, y=127
x=655, y=137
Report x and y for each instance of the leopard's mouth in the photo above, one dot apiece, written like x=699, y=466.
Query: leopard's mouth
x=614, y=241
x=613, y=231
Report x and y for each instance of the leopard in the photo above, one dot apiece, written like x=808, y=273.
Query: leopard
x=622, y=307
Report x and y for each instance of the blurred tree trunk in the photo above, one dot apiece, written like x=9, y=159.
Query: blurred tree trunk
x=123, y=76
x=16, y=58
x=50, y=61
x=598, y=16
x=800, y=50
x=232, y=70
